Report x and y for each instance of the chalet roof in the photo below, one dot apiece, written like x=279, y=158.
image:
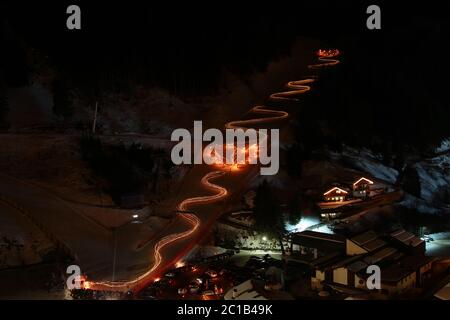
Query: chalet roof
x=380, y=255
x=416, y=261
x=404, y=267
x=368, y=240
x=244, y=291
x=320, y=236
x=327, y=261
x=407, y=238
x=357, y=266
x=364, y=238
x=346, y=261
x=363, y=179
x=335, y=189
x=374, y=245
x=322, y=241
x=443, y=293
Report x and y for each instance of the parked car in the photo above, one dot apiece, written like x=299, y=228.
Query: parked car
x=193, y=267
x=194, y=289
x=199, y=281
x=211, y=273
x=182, y=291
x=427, y=238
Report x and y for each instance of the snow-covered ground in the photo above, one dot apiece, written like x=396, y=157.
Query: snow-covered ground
x=21, y=242
x=243, y=239
x=434, y=175
x=440, y=246
x=305, y=223
x=445, y=146
x=421, y=205
x=365, y=160
x=145, y=110
x=308, y=223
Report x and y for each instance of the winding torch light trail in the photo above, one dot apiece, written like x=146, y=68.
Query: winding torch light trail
x=221, y=192
x=190, y=218
x=297, y=87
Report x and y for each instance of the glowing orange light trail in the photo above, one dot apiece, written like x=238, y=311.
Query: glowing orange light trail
x=297, y=87
x=326, y=57
x=190, y=218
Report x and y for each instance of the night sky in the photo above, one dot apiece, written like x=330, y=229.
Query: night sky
x=396, y=75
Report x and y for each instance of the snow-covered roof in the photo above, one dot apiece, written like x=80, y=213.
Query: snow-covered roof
x=333, y=189
x=363, y=179
x=443, y=293
x=244, y=291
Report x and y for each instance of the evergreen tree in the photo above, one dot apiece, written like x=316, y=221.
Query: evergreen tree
x=294, y=159
x=62, y=100
x=411, y=181
x=295, y=214
x=267, y=213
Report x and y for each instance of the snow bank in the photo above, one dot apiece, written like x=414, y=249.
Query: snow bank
x=420, y=205
x=366, y=161
x=434, y=177
x=440, y=236
x=445, y=146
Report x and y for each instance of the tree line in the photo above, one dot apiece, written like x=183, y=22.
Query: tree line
x=125, y=170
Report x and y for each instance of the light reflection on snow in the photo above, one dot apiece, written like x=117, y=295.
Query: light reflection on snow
x=308, y=223
x=302, y=225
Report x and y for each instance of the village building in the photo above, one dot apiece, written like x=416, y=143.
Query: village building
x=336, y=194
x=343, y=263
x=361, y=188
